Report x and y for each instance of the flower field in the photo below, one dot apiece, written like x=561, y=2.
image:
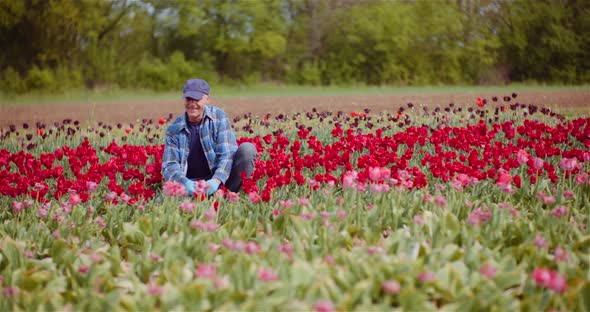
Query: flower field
x=472, y=207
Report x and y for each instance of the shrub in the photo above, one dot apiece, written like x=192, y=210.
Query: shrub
x=41, y=80
x=12, y=82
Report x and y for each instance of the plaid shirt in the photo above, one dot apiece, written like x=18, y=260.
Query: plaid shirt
x=217, y=139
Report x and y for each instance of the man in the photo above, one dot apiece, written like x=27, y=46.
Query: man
x=200, y=145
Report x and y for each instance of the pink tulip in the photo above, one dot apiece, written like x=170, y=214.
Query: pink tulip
x=540, y=241
x=100, y=222
x=221, y=282
x=233, y=197
x=95, y=257
x=426, y=276
x=206, y=271
x=403, y=175
x=109, y=197
x=374, y=173
x=558, y=283
x=303, y=202
x=17, y=206
x=478, y=216
x=227, y=243
x=504, y=205
x=373, y=250
x=42, y=213
x=581, y=178
x=84, y=268
x=361, y=187
x=568, y=164
x=418, y=219
x=10, y=292
x=384, y=173
x=286, y=203
x=538, y=163
x=239, y=246
x=286, y=249
x=201, y=187
x=550, y=279
x=91, y=186
x=548, y=200
x=187, y=206
x=458, y=186
x=522, y=156
x=560, y=254
x=155, y=257
x=324, y=306
x=568, y=194
x=391, y=287
x=542, y=276
x=379, y=188
x=267, y=275
x=504, y=178
x=313, y=184
x=210, y=213
x=341, y=214
x=29, y=254
x=252, y=248
x=210, y=227
x=559, y=211
x=154, y=289
x=174, y=189
x=487, y=271
x=254, y=197
x=440, y=201
x=307, y=216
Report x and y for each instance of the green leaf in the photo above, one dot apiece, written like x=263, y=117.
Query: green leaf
x=132, y=236
x=12, y=255
x=59, y=251
x=584, y=297
x=412, y=300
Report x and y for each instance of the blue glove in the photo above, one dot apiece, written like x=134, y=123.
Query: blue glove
x=213, y=186
x=190, y=187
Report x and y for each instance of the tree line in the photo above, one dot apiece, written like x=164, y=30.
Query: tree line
x=55, y=45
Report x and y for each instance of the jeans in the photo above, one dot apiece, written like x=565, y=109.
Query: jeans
x=243, y=162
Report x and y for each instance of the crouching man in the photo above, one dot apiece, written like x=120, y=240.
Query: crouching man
x=200, y=145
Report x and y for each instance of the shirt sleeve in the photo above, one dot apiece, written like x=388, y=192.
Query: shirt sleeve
x=171, y=170
x=225, y=148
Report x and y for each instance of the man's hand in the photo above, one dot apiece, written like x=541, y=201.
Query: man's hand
x=213, y=185
x=190, y=187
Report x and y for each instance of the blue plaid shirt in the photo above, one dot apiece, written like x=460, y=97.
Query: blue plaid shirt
x=218, y=141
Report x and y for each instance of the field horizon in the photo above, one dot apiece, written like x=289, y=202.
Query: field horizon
x=262, y=100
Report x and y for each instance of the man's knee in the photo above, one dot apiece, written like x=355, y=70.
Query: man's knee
x=246, y=151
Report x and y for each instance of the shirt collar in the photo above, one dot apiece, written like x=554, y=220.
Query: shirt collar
x=207, y=113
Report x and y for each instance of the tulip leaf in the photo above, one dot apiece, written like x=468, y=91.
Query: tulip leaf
x=12, y=254
x=584, y=297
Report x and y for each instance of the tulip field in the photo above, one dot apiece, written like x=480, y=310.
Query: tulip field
x=467, y=207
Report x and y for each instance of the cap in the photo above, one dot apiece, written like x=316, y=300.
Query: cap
x=195, y=89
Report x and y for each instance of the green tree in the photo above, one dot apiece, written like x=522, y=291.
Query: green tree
x=546, y=40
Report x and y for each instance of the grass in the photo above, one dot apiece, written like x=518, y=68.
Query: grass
x=262, y=90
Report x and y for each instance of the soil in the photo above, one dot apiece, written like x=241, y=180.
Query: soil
x=576, y=101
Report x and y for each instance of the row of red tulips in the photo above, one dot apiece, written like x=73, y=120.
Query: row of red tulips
x=501, y=152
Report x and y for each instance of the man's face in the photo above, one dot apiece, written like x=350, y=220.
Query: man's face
x=195, y=108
